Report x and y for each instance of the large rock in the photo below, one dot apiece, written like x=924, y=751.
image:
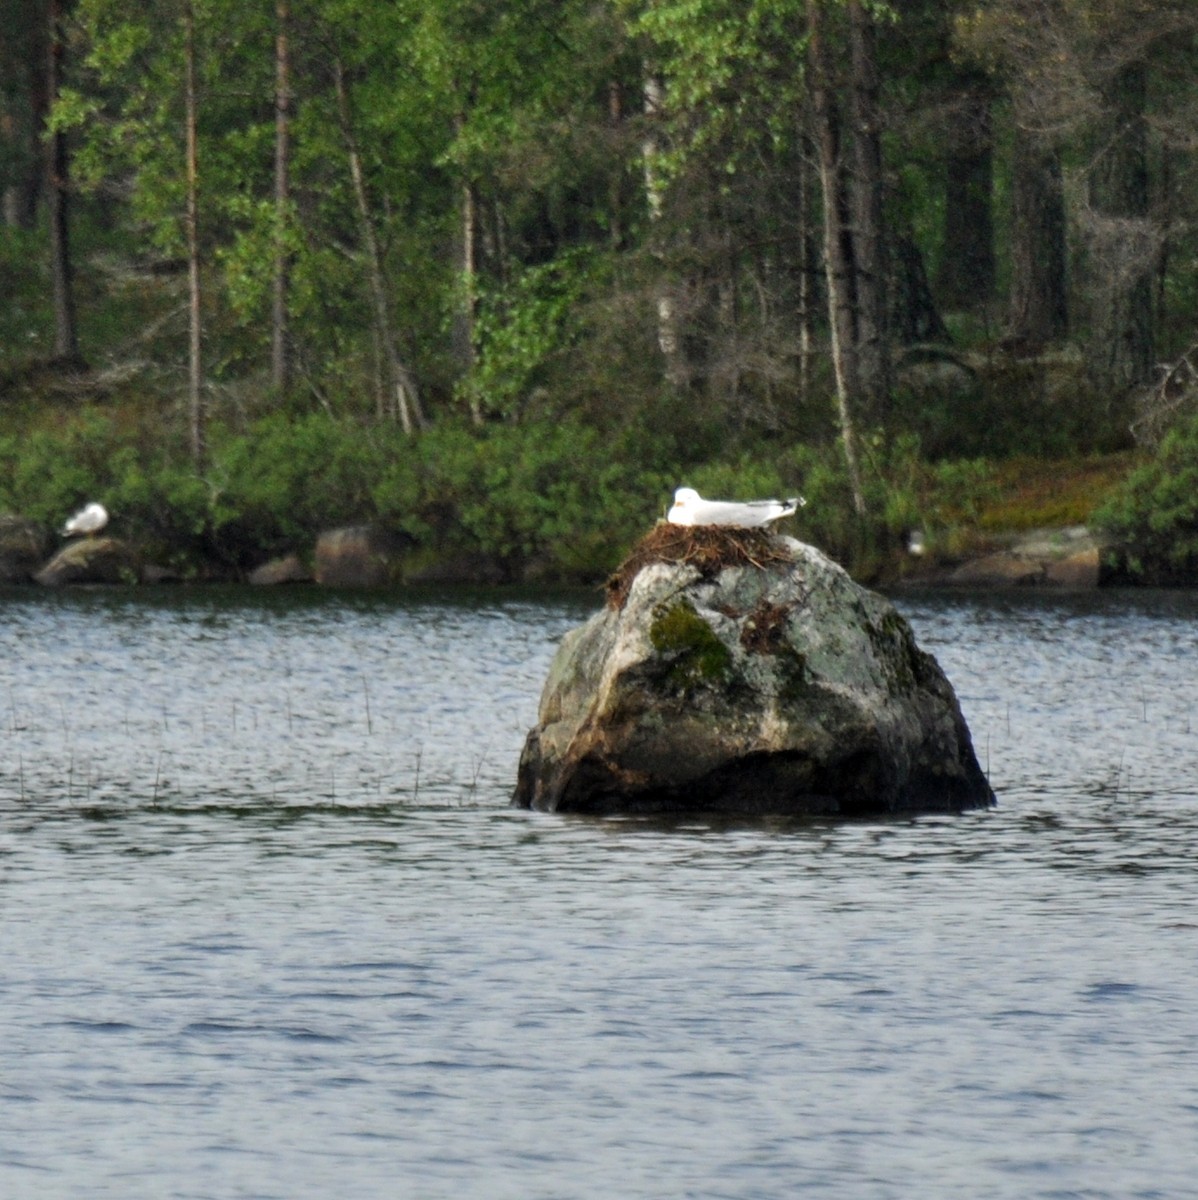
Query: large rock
x=92, y=560
x=24, y=545
x=358, y=556
x=1070, y=557
x=775, y=685
x=287, y=569
x=1002, y=569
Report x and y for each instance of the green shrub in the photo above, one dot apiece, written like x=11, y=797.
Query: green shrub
x=165, y=507
x=53, y=470
x=552, y=498
x=559, y=494
x=286, y=477
x=829, y=519
x=1153, y=517
x=522, y=328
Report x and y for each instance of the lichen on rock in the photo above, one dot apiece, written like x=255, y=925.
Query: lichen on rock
x=739, y=678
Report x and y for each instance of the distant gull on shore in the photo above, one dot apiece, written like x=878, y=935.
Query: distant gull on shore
x=691, y=509
x=87, y=520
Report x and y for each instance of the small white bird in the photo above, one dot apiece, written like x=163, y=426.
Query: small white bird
x=87, y=520
x=691, y=509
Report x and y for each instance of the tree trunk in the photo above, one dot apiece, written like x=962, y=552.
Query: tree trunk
x=66, y=330
x=807, y=266
x=195, y=390
x=914, y=316
x=668, y=340
x=466, y=310
x=865, y=200
x=966, y=276
x=19, y=204
x=1124, y=246
x=280, y=363
x=25, y=65
x=615, y=118
x=1164, y=206
x=1039, y=305
x=837, y=261
x=402, y=383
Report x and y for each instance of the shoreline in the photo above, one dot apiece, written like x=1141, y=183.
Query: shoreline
x=369, y=558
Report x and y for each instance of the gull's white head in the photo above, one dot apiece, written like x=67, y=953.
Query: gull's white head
x=685, y=500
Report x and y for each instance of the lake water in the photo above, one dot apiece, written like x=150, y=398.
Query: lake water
x=270, y=930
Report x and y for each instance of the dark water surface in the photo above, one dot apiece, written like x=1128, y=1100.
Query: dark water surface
x=270, y=930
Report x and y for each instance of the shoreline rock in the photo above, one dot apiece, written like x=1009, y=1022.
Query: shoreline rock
x=358, y=556
x=371, y=556
x=1069, y=557
x=106, y=560
x=288, y=568
x=747, y=690
x=25, y=546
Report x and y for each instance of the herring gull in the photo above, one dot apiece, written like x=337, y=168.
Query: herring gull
x=87, y=520
x=691, y=509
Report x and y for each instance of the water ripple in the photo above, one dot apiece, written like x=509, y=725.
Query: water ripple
x=271, y=930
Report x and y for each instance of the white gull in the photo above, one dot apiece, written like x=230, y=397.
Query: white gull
x=87, y=520
x=691, y=509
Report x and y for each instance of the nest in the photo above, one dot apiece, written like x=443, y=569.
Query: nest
x=709, y=548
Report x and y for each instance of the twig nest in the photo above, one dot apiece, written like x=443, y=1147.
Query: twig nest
x=707, y=548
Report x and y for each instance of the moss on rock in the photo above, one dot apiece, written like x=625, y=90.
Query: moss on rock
x=696, y=653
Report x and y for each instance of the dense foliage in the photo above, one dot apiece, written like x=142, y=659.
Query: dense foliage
x=503, y=272
x=550, y=501
x=1153, y=517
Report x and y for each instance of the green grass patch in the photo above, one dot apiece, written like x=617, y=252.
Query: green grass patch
x=1033, y=493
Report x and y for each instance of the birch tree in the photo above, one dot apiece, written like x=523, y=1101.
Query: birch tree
x=838, y=261
x=401, y=398
x=149, y=133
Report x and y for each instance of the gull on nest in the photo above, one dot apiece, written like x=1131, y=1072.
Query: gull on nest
x=691, y=509
x=87, y=520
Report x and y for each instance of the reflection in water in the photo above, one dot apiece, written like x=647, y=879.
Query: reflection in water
x=271, y=930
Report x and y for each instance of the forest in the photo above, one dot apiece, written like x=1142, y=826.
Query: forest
x=500, y=274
